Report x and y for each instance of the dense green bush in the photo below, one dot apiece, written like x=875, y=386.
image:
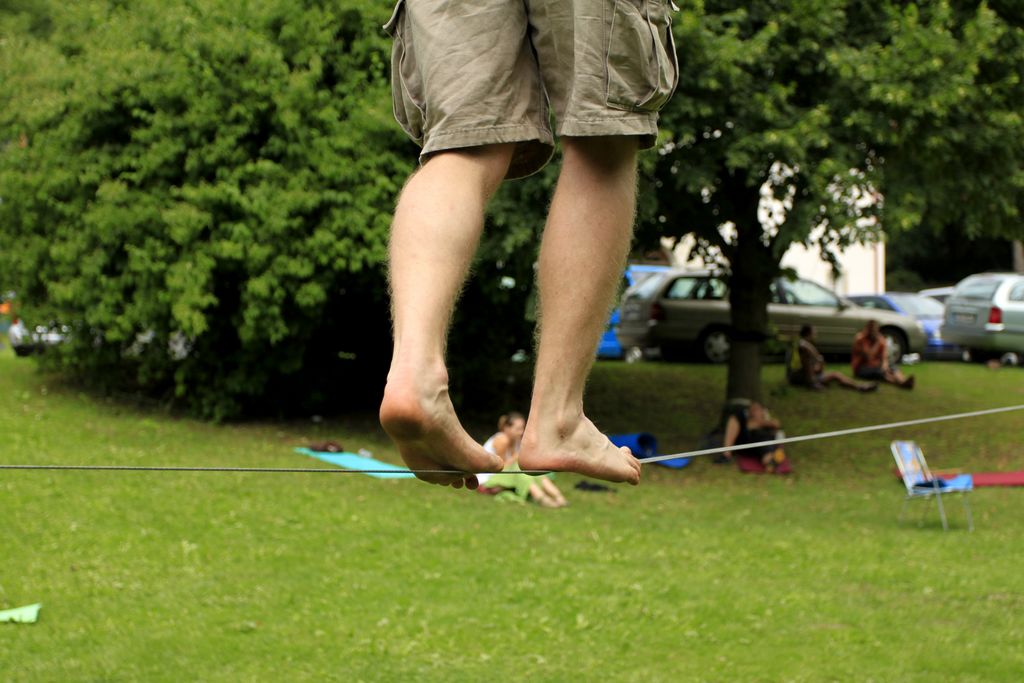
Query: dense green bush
x=202, y=190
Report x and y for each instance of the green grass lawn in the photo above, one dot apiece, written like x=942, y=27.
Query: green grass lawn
x=703, y=574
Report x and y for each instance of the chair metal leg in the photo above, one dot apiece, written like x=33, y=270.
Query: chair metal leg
x=903, y=510
x=942, y=512
x=925, y=504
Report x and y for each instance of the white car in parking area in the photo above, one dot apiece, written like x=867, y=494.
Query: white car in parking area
x=940, y=294
x=985, y=315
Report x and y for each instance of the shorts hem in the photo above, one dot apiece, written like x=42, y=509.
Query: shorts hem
x=490, y=135
x=870, y=373
x=645, y=127
x=535, y=148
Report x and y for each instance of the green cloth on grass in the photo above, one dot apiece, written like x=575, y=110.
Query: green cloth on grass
x=21, y=615
x=515, y=483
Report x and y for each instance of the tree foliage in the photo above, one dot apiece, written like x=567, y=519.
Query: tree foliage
x=850, y=115
x=203, y=189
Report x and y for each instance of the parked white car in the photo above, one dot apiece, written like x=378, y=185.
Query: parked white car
x=940, y=294
x=985, y=315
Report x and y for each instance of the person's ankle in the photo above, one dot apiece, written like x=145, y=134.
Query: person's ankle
x=417, y=375
x=556, y=424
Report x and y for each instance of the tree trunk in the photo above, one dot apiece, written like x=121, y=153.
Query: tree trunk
x=1018, y=256
x=748, y=300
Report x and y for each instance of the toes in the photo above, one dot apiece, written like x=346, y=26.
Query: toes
x=440, y=479
x=634, y=475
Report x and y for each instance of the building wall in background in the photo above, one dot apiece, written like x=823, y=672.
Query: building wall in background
x=862, y=266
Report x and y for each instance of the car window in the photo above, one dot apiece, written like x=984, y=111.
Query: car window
x=712, y=289
x=977, y=288
x=806, y=293
x=778, y=294
x=641, y=276
x=874, y=302
x=683, y=288
x=1017, y=293
x=647, y=288
x=919, y=306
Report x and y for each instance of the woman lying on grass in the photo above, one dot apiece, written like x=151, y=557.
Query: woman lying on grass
x=511, y=484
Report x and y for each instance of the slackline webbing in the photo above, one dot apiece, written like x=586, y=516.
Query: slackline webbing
x=656, y=458
x=828, y=435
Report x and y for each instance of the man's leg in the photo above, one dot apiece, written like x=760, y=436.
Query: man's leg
x=845, y=381
x=582, y=257
x=895, y=376
x=436, y=230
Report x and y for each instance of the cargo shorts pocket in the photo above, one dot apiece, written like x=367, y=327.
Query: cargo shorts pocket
x=643, y=69
x=406, y=85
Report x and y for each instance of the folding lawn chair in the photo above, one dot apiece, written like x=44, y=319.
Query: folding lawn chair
x=921, y=484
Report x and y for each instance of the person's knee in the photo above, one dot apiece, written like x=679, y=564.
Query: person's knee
x=602, y=152
x=486, y=164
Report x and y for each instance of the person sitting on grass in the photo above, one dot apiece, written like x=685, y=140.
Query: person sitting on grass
x=510, y=483
x=870, y=359
x=811, y=372
x=751, y=425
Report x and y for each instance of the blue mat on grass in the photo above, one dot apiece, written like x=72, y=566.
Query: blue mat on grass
x=961, y=482
x=644, y=445
x=352, y=461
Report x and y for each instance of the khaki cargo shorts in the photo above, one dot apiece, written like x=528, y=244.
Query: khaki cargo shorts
x=475, y=72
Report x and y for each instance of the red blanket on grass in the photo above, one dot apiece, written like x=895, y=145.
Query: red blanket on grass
x=985, y=478
x=752, y=464
x=997, y=479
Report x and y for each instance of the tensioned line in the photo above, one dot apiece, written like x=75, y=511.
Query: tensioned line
x=828, y=435
x=657, y=458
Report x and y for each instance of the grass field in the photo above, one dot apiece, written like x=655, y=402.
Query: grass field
x=698, y=575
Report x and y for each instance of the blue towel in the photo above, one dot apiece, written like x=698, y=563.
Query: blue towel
x=644, y=445
x=962, y=482
x=352, y=461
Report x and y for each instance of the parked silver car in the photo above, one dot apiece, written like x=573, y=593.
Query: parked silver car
x=940, y=294
x=985, y=314
x=679, y=311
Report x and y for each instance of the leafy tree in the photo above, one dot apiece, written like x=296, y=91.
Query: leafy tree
x=204, y=193
x=848, y=114
x=926, y=256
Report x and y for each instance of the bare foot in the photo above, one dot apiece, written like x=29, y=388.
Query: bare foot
x=579, y=448
x=422, y=423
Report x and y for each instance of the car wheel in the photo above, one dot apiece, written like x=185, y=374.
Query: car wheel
x=634, y=354
x=715, y=345
x=896, y=341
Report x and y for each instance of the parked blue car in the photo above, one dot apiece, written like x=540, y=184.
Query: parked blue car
x=609, y=346
x=925, y=309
